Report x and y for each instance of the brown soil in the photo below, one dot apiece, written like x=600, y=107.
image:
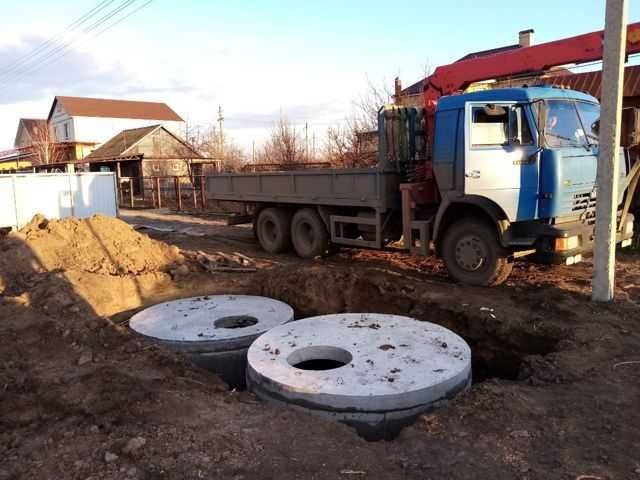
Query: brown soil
x=80, y=397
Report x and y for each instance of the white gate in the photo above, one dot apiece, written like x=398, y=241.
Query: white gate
x=55, y=195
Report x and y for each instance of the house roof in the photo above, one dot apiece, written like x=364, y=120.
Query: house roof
x=31, y=126
x=491, y=51
x=101, y=107
x=591, y=82
x=122, y=144
x=416, y=88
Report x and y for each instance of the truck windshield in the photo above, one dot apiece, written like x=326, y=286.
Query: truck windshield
x=590, y=116
x=571, y=123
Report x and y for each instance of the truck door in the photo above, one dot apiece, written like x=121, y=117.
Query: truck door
x=500, y=157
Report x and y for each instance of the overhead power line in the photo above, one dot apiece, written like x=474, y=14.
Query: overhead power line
x=64, y=49
x=66, y=52
x=32, y=66
x=54, y=40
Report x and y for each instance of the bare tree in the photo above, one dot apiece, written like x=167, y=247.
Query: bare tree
x=45, y=147
x=346, y=147
x=354, y=143
x=364, y=116
x=233, y=158
x=210, y=144
x=285, y=146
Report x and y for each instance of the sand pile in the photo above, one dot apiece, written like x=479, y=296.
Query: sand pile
x=100, y=244
x=100, y=263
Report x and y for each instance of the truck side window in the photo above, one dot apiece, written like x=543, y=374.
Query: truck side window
x=519, y=131
x=489, y=125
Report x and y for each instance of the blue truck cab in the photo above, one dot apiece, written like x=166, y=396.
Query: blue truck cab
x=519, y=164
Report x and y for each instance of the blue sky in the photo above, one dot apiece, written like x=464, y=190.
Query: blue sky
x=257, y=58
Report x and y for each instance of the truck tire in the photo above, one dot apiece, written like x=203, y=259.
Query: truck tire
x=273, y=227
x=309, y=234
x=473, y=255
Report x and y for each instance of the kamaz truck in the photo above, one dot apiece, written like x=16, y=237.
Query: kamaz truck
x=478, y=179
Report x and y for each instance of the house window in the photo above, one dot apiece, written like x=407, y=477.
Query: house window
x=66, y=131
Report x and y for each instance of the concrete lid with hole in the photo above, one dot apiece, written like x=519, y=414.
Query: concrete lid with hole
x=389, y=362
x=211, y=323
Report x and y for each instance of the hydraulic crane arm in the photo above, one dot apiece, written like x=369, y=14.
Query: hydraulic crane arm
x=452, y=78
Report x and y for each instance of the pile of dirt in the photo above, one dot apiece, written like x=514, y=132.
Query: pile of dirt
x=100, y=244
x=99, y=263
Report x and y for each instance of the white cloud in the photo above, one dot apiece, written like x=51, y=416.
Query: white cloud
x=193, y=74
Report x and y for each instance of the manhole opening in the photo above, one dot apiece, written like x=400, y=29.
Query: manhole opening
x=319, y=357
x=235, y=321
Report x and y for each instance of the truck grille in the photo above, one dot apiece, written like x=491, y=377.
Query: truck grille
x=585, y=206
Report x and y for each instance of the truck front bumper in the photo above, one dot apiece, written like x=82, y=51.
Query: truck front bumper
x=574, y=240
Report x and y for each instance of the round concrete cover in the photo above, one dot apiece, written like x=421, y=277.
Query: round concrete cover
x=390, y=363
x=201, y=324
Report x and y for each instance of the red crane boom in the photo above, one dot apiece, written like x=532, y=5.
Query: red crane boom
x=455, y=77
x=452, y=78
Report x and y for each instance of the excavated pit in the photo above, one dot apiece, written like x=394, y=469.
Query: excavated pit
x=500, y=346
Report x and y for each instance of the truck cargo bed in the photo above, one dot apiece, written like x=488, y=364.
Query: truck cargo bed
x=358, y=187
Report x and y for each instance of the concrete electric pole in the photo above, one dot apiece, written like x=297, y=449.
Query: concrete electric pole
x=220, y=130
x=615, y=40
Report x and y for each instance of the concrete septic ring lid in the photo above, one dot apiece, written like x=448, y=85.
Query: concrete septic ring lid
x=384, y=363
x=214, y=323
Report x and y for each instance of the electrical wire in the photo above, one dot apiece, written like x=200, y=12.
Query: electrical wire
x=30, y=68
x=54, y=40
x=96, y=34
x=64, y=49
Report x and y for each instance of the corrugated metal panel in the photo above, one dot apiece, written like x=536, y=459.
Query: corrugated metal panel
x=55, y=195
x=591, y=82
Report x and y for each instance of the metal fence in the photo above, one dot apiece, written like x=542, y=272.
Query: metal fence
x=177, y=192
x=55, y=195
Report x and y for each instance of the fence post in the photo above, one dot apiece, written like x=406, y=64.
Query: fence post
x=195, y=197
x=203, y=196
x=131, y=192
x=176, y=181
x=159, y=194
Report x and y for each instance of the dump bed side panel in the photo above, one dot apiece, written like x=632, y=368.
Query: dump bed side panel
x=341, y=187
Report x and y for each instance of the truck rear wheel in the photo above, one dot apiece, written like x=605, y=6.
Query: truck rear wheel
x=473, y=255
x=309, y=234
x=272, y=228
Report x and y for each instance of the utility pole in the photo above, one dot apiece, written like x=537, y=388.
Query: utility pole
x=313, y=148
x=220, y=123
x=615, y=40
x=306, y=141
x=253, y=151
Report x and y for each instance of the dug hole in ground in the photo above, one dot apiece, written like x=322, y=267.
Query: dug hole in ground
x=556, y=378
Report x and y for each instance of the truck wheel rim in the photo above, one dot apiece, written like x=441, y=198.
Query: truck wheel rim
x=305, y=231
x=471, y=253
x=271, y=230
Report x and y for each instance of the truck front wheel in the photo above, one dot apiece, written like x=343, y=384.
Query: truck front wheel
x=309, y=234
x=272, y=228
x=473, y=255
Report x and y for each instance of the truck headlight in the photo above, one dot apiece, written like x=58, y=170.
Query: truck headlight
x=567, y=243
